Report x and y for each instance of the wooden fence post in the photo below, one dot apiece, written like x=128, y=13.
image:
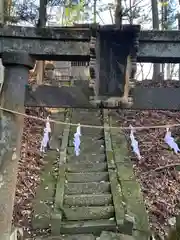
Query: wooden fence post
x=17, y=65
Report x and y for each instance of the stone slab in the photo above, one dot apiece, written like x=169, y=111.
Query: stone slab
x=87, y=188
x=84, y=167
x=91, y=158
x=88, y=213
x=87, y=177
x=88, y=200
x=134, y=203
x=91, y=226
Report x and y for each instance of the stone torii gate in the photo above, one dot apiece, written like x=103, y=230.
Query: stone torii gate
x=19, y=47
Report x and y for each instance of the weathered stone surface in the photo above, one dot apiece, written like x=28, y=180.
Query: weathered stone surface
x=135, y=204
x=70, y=237
x=47, y=49
x=60, y=186
x=59, y=195
x=42, y=213
x=125, y=170
x=52, y=96
x=17, y=58
x=44, y=198
x=94, y=158
x=87, y=142
x=120, y=146
x=114, y=236
x=164, y=48
x=108, y=142
x=160, y=52
x=159, y=36
x=87, y=177
x=140, y=235
x=57, y=130
x=88, y=213
x=84, y=167
x=118, y=200
x=54, y=33
x=73, y=97
x=133, y=200
x=88, y=150
x=156, y=98
x=88, y=200
x=87, y=188
x=44, y=194
x=90, y=226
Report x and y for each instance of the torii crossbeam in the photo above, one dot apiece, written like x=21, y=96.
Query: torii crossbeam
x=73, y=44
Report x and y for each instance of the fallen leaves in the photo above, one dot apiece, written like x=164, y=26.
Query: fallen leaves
x=29, y=169
x=156, y=172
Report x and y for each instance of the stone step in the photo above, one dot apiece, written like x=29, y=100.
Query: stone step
x=87, y=151
x=88, y=142
x=94, y=158
x=106, y=235
x=86, y=167
x=87, y=177
x=92, y=132
x=88, y=200
x=92, y=226
x=86, y=115
x=92, y=129
x=87, y=188
x=88, y=213
x=68, y=237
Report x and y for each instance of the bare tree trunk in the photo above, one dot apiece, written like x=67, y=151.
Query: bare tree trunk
x=168, y=71
x=178, y=17
x=1, y=22
x=41, y=23
x=95, y=10
x=118, y=13
x=155, y=21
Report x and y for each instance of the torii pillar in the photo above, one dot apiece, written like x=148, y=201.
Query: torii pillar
x=17, y=65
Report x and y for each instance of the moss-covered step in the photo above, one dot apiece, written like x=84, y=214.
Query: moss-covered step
x=125, y=170
x=120, y=147
x=91, y=226
x=88, y=151
x=86, y=167
x=68, y=237
x=88, y=142
x=57, y=130
x=118, y=201
x=88, y=213
x=42, y=203
x=88, y=147
x=87, y=177
x=115, y=236
x=86, y=158
x=88, y=200
x=134, y=204
x=87, y=188
x=56, y=215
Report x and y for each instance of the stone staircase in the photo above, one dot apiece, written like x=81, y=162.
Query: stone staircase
x=87, y=205
x=89, y=193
